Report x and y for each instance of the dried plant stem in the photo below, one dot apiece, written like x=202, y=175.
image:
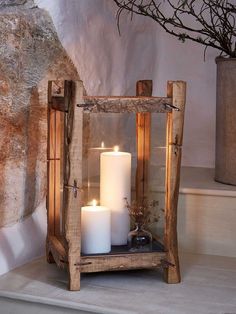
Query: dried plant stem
x=211, y=23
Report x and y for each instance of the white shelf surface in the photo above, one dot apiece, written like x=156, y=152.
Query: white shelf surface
x=208, y=286
x=196, y=180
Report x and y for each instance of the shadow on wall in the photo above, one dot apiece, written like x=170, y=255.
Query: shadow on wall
x=23, y=241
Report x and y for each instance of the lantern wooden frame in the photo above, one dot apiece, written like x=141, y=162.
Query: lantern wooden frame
x=64, y=247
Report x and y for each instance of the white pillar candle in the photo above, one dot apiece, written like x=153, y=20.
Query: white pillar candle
x=95, y=229
x=115, y=185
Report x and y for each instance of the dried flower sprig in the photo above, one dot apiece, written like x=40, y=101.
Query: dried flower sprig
x=142, y=212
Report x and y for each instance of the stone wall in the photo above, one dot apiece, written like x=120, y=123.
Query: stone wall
x=30, y=55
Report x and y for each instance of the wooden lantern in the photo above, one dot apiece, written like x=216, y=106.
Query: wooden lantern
x=66, y=105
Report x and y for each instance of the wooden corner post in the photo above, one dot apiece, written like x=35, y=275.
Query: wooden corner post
x=73, y=126
x=175, y=121
x=143, y=129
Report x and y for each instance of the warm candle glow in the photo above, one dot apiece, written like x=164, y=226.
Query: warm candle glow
x=116, y=149
x=102, y=145
x=94, y=203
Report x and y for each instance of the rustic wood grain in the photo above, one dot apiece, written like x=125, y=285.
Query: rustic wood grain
x=57, y=174
x=175, y=122
x=118, y=104
x=143, y=129
x=58, y=103
x=144, y=88
x=57, y=250
x=121, y=262
x=57, y=88
x=73, y=176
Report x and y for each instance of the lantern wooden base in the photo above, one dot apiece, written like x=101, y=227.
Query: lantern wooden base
x=67, y=103
x=118, y=259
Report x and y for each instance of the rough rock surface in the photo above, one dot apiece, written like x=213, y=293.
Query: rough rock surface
x=30, y=55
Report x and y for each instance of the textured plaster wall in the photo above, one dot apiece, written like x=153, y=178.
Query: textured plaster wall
x=110, y=64
x=30, y=55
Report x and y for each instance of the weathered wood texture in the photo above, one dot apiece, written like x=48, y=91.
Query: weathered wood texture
x=57, y=250
x=58, y=103
x=143, y=142
x=73, y=178
x=57, y=172
x=121, y=262
x=126, y=104
x=175, y=122
x=104, y=262
x=51, y=171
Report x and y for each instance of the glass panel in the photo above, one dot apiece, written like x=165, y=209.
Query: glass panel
x=158, y=169
x=102, y=133
x=110, y=151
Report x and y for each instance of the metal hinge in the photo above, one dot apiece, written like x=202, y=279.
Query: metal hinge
x=76, y=264
x=166, y=264
x=83, y=263
x=170, y=106
x=176, y=145
x=74, y=188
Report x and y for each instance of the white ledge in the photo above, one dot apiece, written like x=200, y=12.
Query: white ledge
x=196, y=180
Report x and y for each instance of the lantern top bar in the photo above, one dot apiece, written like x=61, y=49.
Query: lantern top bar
x=117, y=104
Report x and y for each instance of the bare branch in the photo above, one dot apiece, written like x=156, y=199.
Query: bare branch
x=211, y=23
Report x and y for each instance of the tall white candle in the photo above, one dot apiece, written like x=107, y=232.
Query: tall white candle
x=95, y=229
x=115, y=185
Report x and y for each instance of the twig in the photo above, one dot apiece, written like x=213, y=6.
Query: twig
x=211, y=23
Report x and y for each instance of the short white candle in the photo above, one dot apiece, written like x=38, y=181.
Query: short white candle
x=95, y=229
x=115, y=185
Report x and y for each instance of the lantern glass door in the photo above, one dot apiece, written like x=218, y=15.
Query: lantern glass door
x=104, y=133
